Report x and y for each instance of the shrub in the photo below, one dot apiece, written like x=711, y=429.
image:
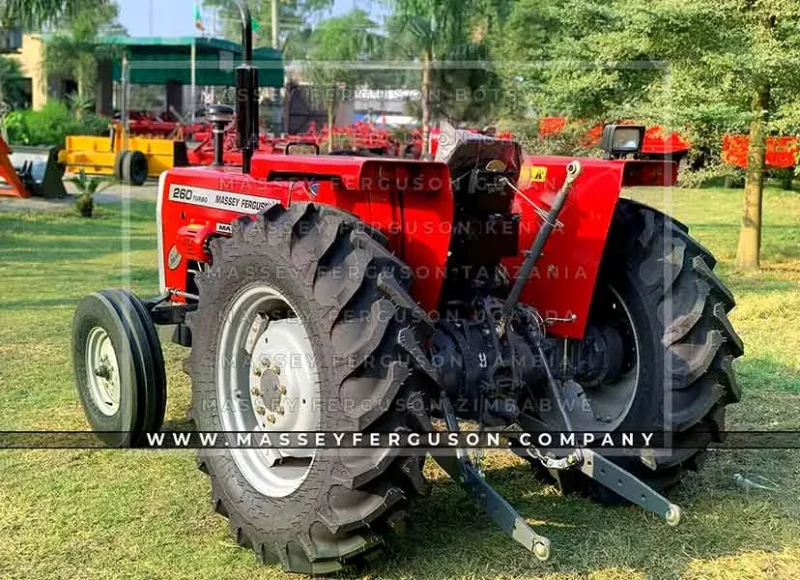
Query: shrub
x=51, y=125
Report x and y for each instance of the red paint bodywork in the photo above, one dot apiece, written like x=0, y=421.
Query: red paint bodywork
x=412, y=203
x=365, y=187
x=562, y=284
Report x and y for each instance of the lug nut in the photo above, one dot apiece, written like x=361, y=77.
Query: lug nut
x=276, y=370
x=282, y=389
x=256, y=391
x=261, y=410
x=271, y=418
x=258, y=372
x=281, y=411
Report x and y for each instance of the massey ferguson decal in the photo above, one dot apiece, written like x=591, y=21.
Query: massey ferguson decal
x=215, y=199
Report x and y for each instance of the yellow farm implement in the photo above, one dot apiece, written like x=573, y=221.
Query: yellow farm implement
x=129, y=159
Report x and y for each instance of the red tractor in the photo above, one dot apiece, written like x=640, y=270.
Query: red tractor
x=347, y=294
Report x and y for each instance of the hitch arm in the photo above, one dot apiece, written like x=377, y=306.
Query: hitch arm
x=629, y=486
x=502, y=513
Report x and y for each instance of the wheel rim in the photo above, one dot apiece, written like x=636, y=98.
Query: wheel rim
x=102, y=371
x=267, y=382
x=608, y=403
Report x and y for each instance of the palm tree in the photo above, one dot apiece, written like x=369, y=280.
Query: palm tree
x=429, y=29
x=33, y=14
x=75, y=50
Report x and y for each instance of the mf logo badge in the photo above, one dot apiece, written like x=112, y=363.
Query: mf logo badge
x=538, y=174
x=174, y=259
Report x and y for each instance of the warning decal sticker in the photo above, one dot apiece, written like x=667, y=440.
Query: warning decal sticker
x=538, y=174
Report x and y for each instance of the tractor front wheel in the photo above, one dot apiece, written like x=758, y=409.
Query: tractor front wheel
x=293, y=333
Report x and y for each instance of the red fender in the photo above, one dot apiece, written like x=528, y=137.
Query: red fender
x=562, y=284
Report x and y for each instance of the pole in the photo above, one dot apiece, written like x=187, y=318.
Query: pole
x=275, y=24
x=126, y=72
x=194, y=78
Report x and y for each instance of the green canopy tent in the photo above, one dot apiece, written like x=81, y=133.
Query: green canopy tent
x=188, y=61
x=157, y=60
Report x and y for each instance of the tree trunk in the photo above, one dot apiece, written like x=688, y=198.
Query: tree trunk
x=331, y=120
x=81, y=97
x=427, y=59
x=748, y=254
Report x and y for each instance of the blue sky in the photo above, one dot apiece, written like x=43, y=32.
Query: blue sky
x=174, y=17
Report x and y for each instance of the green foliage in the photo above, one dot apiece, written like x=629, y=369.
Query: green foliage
x=293, y=15
x=74, y=50
x=88, y=186
x=571, y=140
x=33, y=14
x=334, y=50
x=690, y=65
x=51, y=125
x=448, y=41
x=13, y=90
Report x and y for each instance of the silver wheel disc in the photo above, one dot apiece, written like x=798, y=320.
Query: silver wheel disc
x=267, y=382
x=102, y=370
x=605, y=406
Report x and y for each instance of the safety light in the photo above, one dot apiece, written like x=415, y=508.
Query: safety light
x=621, y=140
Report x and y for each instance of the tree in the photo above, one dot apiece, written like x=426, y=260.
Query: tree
x=461, y=86
x=430, y=30
x=335, y=48
x=33, y=14
x=718, y=67
x=293, y=17
x=75, y=50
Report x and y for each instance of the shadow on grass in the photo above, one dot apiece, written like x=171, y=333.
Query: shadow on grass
x=46, y=238
x=586, y=538
x=720, y=517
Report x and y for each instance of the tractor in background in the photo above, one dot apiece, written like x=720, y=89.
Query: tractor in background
x=320, y=293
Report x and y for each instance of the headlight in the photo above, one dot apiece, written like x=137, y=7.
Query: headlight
x=620, y=140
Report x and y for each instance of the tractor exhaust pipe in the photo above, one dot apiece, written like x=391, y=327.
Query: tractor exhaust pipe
x=247, y=91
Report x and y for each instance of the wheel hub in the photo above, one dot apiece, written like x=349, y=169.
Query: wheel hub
x=602, y=373
x=102, y=369
x=266, y=368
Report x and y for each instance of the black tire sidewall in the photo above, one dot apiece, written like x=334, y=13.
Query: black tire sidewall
x=119, y=164
x=647, y=410
x=97, y=311
x=134, y=168
x=152, y=386
x=273, y=516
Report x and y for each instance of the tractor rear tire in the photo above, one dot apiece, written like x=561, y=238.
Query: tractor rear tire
x=330, y=269
x=687, y=344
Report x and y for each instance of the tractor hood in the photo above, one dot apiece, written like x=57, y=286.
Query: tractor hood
x=352, y=173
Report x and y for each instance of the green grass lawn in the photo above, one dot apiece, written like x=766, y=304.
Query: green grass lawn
x=134, y=514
